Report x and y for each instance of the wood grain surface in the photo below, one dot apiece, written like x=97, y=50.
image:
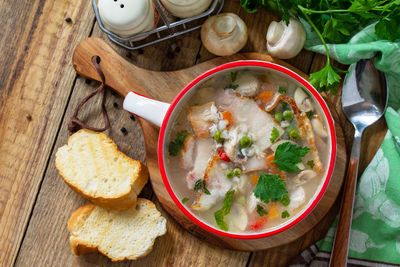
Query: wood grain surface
x=37, y=79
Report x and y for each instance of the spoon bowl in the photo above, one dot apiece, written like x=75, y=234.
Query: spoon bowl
x=364, y=94
x=364, y=99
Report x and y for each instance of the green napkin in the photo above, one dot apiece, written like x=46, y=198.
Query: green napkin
x=375, y=231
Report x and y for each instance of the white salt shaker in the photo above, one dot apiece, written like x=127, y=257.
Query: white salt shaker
x=128, y=17
x=186, y=8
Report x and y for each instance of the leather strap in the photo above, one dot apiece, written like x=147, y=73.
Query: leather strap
x=74, y=123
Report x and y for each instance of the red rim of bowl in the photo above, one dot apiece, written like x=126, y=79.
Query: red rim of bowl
x=248, y=63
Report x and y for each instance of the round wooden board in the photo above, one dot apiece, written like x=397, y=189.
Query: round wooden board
x=124, y=77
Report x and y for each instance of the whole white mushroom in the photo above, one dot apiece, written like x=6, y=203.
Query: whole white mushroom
x=285, y=41
x=224, y=34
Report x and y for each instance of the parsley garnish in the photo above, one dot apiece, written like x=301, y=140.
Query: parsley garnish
x=234, y=75
x=261, y=211
x=285, y=106
x=336, y=22
x=282, y=90
x=311, y=164
x=285, y=200
x=285, y=214
x=205, y=188
x=274, y=135
x=326, y=79
x=175, y=146
x=288, y=155
x=199, y=185
x=225, y=210
x=232, y=86
x=270, y=187
x=309, y=114
x=184, y=200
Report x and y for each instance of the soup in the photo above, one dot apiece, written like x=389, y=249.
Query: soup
x=247, y=150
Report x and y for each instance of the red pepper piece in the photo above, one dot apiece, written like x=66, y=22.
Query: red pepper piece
x=257, y=224
x=223, y=156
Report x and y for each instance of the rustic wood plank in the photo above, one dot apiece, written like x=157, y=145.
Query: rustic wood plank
x=173, y=249
x=36, y=80
x=56, y=201
x=178, y=247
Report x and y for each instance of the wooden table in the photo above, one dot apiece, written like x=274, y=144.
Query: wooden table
x=38, y=92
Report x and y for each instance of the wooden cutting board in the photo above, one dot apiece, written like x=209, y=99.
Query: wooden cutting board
x=124, y=77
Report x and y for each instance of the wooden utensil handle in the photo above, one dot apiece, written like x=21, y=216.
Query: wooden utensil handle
x=117, y=71
x=341, y=244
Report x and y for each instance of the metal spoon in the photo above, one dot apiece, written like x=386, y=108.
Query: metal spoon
x=364, y=98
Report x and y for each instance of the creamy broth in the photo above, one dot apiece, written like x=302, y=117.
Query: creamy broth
x=255, y=148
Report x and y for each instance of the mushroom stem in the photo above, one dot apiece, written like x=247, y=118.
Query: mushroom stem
x=275, y=31
x=224, y=27
x=224, y=34
x=285, y=41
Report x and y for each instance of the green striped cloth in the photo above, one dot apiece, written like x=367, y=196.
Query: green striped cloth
x=375, y=231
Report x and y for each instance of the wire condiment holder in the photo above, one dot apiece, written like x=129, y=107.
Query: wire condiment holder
x=165, y=29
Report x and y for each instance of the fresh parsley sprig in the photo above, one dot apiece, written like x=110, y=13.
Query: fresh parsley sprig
x=270, y=187
x=225, y=210
x=261, y=211
x=327, y=79
x=201, y=185
x=336, y=21
x=175, y=146
x=287, y=155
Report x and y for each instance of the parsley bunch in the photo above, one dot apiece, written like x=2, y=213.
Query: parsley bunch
x=336, y=21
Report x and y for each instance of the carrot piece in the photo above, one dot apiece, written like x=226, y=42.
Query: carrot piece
x=269, y=159
x=254, y=179
x=259, y=223
x=273, y=212
x=227, y=115
x=265, y=96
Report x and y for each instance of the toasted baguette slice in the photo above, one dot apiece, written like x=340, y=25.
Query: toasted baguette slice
x=119, y=235
x=92, y=165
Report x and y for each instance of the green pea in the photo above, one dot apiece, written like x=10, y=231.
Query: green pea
x=289, y=128
x=218, y=137
x=288, y=115
x=237, y=172
x=278, y=117
x=230, y=174
x=245, y=142
x=294, y=134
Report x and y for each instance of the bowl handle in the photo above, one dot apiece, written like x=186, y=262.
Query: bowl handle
x=147, y=108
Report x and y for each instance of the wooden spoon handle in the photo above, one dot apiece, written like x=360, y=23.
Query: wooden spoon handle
x=341, y=244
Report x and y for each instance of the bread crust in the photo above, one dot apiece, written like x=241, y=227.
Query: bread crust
x=79, y=248
x=123, y=201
